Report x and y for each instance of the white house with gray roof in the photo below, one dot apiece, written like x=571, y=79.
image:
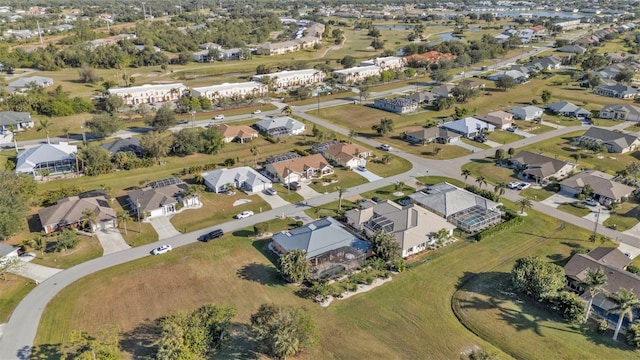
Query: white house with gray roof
x=52, y=158
x=526, y=112
x=624, y=112
x=604, y=188
x=280, y=126
x=540, y=167
x=8, y=252
x=17, y=121
x=398, y=105
x=243, y=177
x=615, y=141
x=149, y=93
x=469, y=126
x=25, y=82
x=565, y=108
x=620, y=91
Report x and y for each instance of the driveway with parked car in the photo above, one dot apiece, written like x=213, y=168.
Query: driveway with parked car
x=275, y=201
x=367, y=175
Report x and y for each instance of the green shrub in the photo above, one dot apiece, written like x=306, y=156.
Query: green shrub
x=633, y=269
x=633, y=335
x=507, y=225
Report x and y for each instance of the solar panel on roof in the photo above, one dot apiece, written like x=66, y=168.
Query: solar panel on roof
x=282, y=157
x=165, y=182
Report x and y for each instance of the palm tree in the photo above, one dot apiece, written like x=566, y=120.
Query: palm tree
x=287, y=110
x=295, y=265
x=352, y=135
x=340, y=191
x=45, y=124
x=66, y=130
x=386, y=159
x=625, y=301
x=192, y=191
x=89, y=217
x=593, y=284
x=399, y=186
x=500, y=189
x=466, y=173
x=255, y=151
x=481, y=181
x=122, y=217
x=524, y=204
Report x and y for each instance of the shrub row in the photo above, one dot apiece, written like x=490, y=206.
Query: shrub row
x=488, y=194
x=196, y=169
x=507, y=225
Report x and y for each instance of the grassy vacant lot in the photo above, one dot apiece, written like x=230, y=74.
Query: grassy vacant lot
x=88, y=248
x=532, y=127
x=504, y=137
x=447, y=151
x=12, y=290
x=625, y=216
x=561, y=148
x=388, y=192
x=195, y=274
x=331, y=209
x=216, y=209
x=490, y=171
x=575, y=208
x=289, y=196
x=342, y=178
x=536, y=194
x=139, y=233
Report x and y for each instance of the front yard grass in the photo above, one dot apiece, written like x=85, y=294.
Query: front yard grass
x=479, y=145
x=88, y=248
x=330, y=209
x=490, y=171
x=388, y=192
x=504, y=137
x=625, y=216
x=536, y=194
x=345, y=179
x=575, y=208
x=447, y=151
x=216, y=209
x=139, y=234
x=12, y=290
x=432, y=180
x=287, y=195
x=396, y=165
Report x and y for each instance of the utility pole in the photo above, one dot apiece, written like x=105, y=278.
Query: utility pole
x=144, y=11
x=595, y=228
x=39, y=32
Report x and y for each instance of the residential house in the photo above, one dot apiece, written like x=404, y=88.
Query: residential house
x=624, y=112
x=130, y=144
x=540, y=167
x=356, y=74
x=294, y=78
x=614, y=263
x=469, y=127
x=519, y=76
x=539, y=31
x=615, y=141
x=568, y=109
x=328, y=245
x=386, y=63
x=299, y=168
x=8, y=252
x=430, y=135
x=526, y=35
x=235, y=91
x=472, y=84
x=209, y=45
x=443, y=91
x=47, y=159
x=526, y=112
x=398, y=105
x=14, y=121
x=69, y=212
x=278, y=48
x=413, y=227
x=160, y=198
x=26, y=82
x=347, y=155
x=244, y=178
x=239, y=133
x=280, y=126
x=546, y=63
x=573, y=49
x=424, y=97
x=466, y=210
x=604, y=188
x=500, y=119
x=149, y=93
x=620, y=91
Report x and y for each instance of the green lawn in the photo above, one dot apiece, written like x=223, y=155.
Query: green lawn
x=430, y=151
x=330, y=209
x=139, y=234
x=492, y=173
x=625, y=216
x=12, y=290
x=475, y=144
x=536, y=194
x=345, y=179
x=576, y=208
x=431, y=180
x=88, y=248
x=288, y=196
x=388, y=192
x=504, y=137
x=395, y=166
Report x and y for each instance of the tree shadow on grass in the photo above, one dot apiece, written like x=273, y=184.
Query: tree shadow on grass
x=240, y=346
x=141, y=342
x=261, y=273
x=40, y=352
x=243, y=233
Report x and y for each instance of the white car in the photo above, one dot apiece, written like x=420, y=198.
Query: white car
x=524, y=185
x=244, y=214
x=161, y=250
x=385, y=147
x=257, y=111
x=218, y=117
x=513, y=185
x=271, y=191
x=590, y=202
x=362, y=168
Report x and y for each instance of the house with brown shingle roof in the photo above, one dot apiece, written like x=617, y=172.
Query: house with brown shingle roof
x=69, y=212
x=162, y=197
x=540, y=167
x=605, y=190
x=347, y=155
x=239, y=133
x=297, y=169
x=500, y=119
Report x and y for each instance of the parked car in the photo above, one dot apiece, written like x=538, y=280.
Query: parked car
x=295, y=186
x=218, y=117
x=376, y=199
x=183, y=122
x=362, y=168
x=524, y=185
x=513, y=185
x=257, y=112
x=480, y=138
x=212, y=235
x=244, y=214
x=591, y=201
x=161, y=250
x=270, y=191
x=385, y=147
x=511, y=129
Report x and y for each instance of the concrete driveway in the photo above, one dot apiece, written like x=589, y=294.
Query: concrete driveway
x=275, y=201
x=523, y=133
x=634, y=231
x=111, y=241
x=307, y=192
x=593, y=215
x=492, y=143
x=163, y=227
x=35, y=272
x=558, y=199
x=368, y=175
x=464, y=145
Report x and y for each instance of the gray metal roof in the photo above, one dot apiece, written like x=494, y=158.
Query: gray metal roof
x=128, y=144
x=29, y=158
x=468, y=125
x=277, y=122
x=446, y=199
x=6, y=250
x=38, y=80
x=236, y=176
x=13, y=117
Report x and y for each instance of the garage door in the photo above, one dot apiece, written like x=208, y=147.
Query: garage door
x=105, y=225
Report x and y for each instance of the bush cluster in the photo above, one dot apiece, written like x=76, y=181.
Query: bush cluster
x=197, y=169
x=507, y=225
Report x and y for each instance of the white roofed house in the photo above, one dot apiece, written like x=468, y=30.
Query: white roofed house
x=356, y=74
x=469, y=126
x=386, y=63
x=14, y=121
x=293, y=78
x=399, y=105
x=47, y=159
x=280, y=126
x=243, y=177
x=565, y=108
x=25, y=82
x=160, y=198
x=624, y=112
x=231, y=91
x=526, y=112
x=149, y=93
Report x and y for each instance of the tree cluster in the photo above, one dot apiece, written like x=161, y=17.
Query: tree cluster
x=48, y=103
x=17, y=191
x=537, y=278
